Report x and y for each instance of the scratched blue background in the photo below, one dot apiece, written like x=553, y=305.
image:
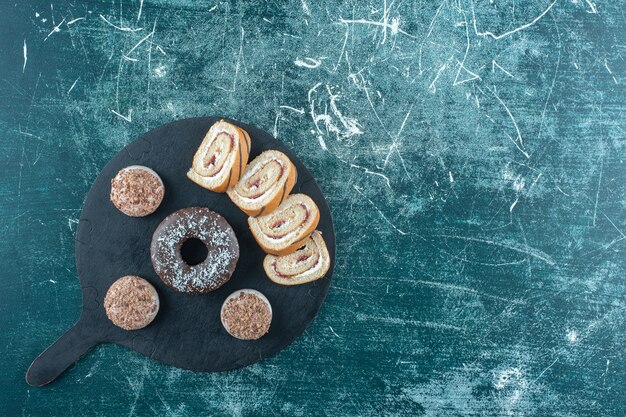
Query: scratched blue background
x=472, y=154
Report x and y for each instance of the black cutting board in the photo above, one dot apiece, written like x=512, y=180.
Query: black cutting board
x=187, y=332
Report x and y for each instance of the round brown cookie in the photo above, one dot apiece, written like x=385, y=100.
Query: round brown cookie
x=137, y=191
x=131, y=303
x=194, y=224
x=246, y=314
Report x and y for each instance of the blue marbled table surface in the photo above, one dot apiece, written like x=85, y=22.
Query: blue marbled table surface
x=471, y=152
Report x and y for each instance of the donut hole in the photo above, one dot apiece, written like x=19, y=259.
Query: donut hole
x=194, y=251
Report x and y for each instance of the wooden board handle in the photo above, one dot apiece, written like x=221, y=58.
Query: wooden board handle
x=68, y=349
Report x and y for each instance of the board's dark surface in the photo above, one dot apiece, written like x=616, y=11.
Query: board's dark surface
x=472, y=153
x=187, y=332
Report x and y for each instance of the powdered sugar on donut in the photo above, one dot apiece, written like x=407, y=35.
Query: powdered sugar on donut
x=207, y=226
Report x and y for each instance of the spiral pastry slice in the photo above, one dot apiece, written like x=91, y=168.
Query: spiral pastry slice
x=285, y=229
x=307, y=264
x=221, y=158
x=265, y=183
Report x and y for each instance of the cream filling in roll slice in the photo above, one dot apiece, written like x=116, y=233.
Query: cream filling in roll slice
x=219, y=155
x=285, y=229
x=266, y=181
x=263, y=182
x=307, y=264
x=214, y=160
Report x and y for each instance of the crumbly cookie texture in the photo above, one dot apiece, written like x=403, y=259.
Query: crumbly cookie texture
x=247, y=316
x=131, y=303
x=137, y=191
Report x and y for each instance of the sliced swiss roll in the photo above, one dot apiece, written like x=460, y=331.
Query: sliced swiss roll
x=265, y=183
x=286, y=228
x=307, y=264
x=221, y=158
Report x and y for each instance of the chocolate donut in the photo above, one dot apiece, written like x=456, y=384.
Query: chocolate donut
x=213, y=231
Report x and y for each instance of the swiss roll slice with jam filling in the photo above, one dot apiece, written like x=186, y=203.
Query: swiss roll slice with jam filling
x=265, y=183
x=308, y=263
x=286, y=228
x=221, y=158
